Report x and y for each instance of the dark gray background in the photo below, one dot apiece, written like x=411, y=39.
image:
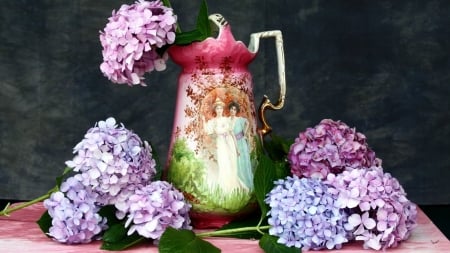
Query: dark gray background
x=380, y=66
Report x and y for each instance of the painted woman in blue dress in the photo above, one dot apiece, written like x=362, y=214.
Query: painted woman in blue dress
x=240, y=127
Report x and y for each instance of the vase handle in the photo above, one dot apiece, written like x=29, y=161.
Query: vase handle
x=266, y=104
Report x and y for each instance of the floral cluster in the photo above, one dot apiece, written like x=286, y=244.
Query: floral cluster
x=75, y=217
x=303, y=214
x=380, y=214
x=131, y=40
x=153, y=208
x=374, y=204
x=113, y=167
x=360, y=204
x=112, y=161
x=329, y=147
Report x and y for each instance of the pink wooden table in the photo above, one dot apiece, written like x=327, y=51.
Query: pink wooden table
x=20, y=233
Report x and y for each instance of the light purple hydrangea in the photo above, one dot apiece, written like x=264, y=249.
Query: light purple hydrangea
x=78, y=193
x=304, y=215
x=112, y=161
x=329, y=147
x=131, y=38
x=74, y=218
x=380, y=215
x=153, y=208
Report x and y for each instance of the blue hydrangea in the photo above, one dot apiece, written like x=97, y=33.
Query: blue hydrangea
x=304, y=215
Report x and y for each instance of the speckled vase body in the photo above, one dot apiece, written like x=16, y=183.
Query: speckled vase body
x=212, y=154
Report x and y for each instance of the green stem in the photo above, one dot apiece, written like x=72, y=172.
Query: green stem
x=258, y=227
x=231, y=231
x=8, y=210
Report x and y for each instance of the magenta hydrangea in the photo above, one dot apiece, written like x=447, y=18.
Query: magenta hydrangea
x=329, y=147
x=379, y=212
x=303, y=214
x=153, y=208
x=112, y=161
x=131, y=40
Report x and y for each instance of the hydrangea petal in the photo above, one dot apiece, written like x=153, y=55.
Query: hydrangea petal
x=132, y=30
x=323, y=149
x=300, y=214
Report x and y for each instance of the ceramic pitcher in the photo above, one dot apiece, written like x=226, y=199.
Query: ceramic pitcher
x=212, y=155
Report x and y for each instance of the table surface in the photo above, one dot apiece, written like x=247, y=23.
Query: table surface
x=20, y=233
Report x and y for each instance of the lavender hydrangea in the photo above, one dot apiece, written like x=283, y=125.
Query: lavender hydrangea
x=74, y=216
x=153, y=208
x=303, y=214
x=112, y=161
x=380, y=215
x=132, y=38
x=329, y=147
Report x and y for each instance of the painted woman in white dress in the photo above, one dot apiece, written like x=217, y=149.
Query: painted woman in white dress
x=226, y=153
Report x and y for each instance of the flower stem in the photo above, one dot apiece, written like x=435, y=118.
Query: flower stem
x=231, y=231
x=258, y=227
x=8, y=210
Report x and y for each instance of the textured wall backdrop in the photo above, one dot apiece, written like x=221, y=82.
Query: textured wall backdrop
x=380, y=66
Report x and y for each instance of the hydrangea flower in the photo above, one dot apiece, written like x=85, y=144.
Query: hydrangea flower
x=153, y=208
x=131, y=38
x=329, y=147
x=380, y=215
x=303, y=214
x=74, y=220
x=112, y=161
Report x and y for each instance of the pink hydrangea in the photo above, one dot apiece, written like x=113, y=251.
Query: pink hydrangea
x=380, y=215
x=131, y=38
x=329, y=147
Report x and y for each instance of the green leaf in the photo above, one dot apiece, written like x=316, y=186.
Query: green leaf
x=277, y=147
x=203, y=24
x=265, y=175
x=126, y=243
x=200, y=33
x=282, y=169
x=167, y=3
x=45, y=222
x=115, y=233
x=109, y=212
x=116, y=238
x=186, y=38
x=270, y=245
x=184, y=241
